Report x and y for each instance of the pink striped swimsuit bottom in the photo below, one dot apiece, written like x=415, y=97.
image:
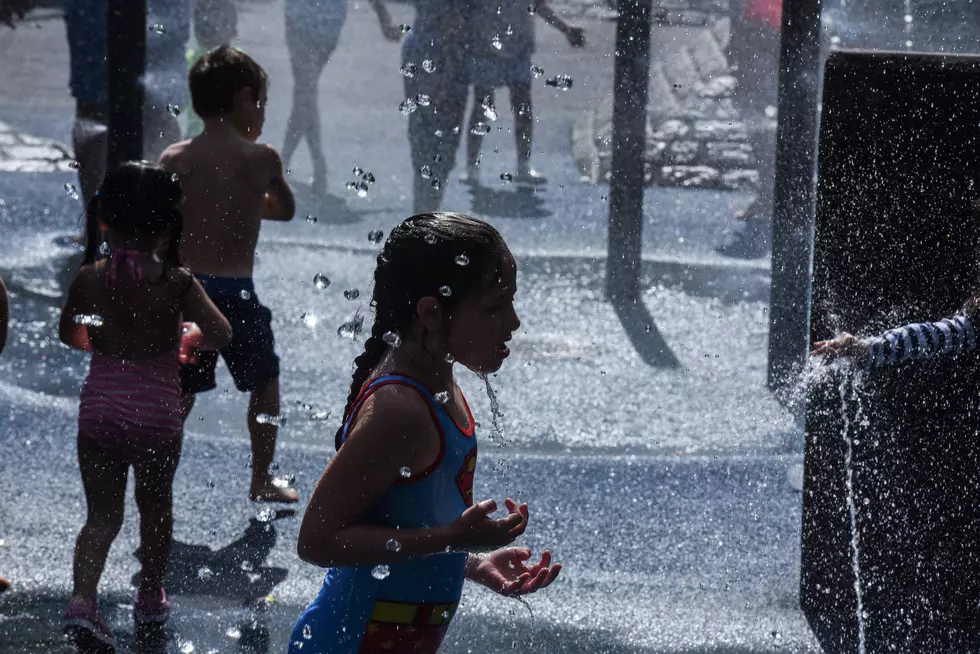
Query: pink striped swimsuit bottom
x=130, y=408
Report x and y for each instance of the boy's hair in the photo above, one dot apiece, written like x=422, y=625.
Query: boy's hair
x=218, y=75
x=423, y=254
x=137, y=198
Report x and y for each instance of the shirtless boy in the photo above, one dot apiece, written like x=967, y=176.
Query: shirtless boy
x=231, y=183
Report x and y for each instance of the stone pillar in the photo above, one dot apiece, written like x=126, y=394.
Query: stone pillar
x=896, y=241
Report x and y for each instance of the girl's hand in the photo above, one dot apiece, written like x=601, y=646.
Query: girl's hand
x=576, y=37
x=508, y=571
x=476, y=531
x=190, y=342
x=844, y=345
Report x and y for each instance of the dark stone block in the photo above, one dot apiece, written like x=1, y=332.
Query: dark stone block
x=896, y=241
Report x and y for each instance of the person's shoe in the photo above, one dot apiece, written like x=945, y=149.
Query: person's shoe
x=87, y=629
x=270, y=491
x=745, y=244
x=152, y=609
x=530, y=176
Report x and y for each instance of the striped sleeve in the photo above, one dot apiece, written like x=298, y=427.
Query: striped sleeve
x=948, y=337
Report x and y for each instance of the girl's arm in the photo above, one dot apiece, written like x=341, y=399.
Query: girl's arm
x=4, y=314
x=196, y=307
x=388, y=27
x=391, y=424
x=947, y=337
x=71, y=330
x=575, y=35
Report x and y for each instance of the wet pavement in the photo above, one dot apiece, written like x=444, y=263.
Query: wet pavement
x=663, y=490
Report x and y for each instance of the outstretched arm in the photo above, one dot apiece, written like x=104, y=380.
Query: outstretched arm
x=574, y=34
x=388, y=27
x=947, y=337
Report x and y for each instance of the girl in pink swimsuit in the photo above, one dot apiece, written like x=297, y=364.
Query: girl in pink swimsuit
x=127, y=305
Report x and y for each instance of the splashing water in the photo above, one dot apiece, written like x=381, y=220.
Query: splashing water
x=560, y=82
x=495, y=412
x=405, y=472
x=311, y=219
x=173, y=110
x=245, y=295
x=234, y=633
x=449, y=358
x=321, y=281
x=266, y=515
x=71, y=191
x=74, y=165
x=89, y=320
x=267, y=419
x=495, y=42
x=425, y=172
x=408, y=70
x=408, y=106
x=157, y=28
x=310, y=319
x=480, y=129
x=376, y=236
x=205, y=573
x=353, y=327
x=423, y=100
x=352, y=294
x=462, y=260
x=441, y=397
x=445, y=291
x=392, y=339
x=430, y=239
x=436, y=184
x=307, y=632
x=319, y=416
x=537, y=71
x=489, y=110
x=506, y=178
x=380, y=572
x=405, y=28
x=428, y=66
x=393, y=545
x=848, y=383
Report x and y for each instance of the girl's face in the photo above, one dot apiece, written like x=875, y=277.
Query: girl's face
x=481, y=325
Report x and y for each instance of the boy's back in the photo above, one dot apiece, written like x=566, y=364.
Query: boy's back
x=224, y=178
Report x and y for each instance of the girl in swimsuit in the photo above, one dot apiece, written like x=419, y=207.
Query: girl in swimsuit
x=393, y=517
x=127, y=308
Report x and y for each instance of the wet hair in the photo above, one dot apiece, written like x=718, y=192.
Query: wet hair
x=218, y=75
x=422, y=255
x=138, y=198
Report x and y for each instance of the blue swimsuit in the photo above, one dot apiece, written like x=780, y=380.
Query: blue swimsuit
x=409, y=610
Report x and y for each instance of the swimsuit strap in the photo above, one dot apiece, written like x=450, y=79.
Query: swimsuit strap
x=131, y=258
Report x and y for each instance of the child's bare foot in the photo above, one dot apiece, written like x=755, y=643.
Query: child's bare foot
x=267, y=491
x=4, y=584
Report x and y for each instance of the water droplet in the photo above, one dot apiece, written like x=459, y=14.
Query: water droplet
x=88, y=319
x=393, y=545
x=430, y=238
x=368, y=177
x=245, y=295
x=480, y=129
x=405, y=472
x=437, y=158
x=445, y=615
x=307, y=631
x=509, y=31
x=352, y=328
x=531, y=9
x=523, y=109
x=462, y=260
x=298, y=644
x=321, y=281
x=311, y=219
x=393, y=339
x=537, y=71
x=234, y=633
x=407, y=106
x=425, y=172
x=439, y=133
x=247, y=566
x=380, y=572
x=352, y=294
x=423, y=100
x=495, y=42
x=357, y=172
x=908, y=18
x=174, y=178
x=375, y=236
x=405, y=29
x=266, y=515
x=187, y=648
x=436, y=184
x=361, y=188
x=266, y=419
x=428, y=66
x=310, y=319
x=104, y=249
x=71, y=191
x=445, y=291
x=157, y=28
x=173, y=110
x=74, y=165
x=205, y=573
x=319, y=416
x=488, y=108
x=283, y=482
x=408, y=70
x=561, y=82
x=442, y=397
x=506, y=178
x=449, y=358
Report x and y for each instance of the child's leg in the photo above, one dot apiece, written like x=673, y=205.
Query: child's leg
x=265, y=399
x=104, y=482
x=154, y=498
x=308, y=61
x=520, y=102
x=473, y=141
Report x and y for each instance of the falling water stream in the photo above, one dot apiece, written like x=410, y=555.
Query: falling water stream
x=848, y=383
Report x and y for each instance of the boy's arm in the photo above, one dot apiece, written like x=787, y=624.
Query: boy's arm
x=279, y=202
x=575, y=35
x=388, y=27
x=950, y=337
x=72, y=333
x=4, y=314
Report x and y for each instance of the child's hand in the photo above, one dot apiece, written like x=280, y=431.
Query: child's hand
x=190, y=342
x=476, y=531
x=391, y=31
x=508, y=572
x=844, y=345
x=575, y=36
